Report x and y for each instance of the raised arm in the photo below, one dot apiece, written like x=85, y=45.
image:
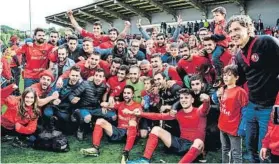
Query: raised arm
x=73, y=21
x=142, y=31
x=204, y=108
x=125, y=30
x=177, y=30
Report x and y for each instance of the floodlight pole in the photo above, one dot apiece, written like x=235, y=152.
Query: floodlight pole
x=30, y=17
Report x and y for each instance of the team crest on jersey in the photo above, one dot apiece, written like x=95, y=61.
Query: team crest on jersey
x=44, y=52
x=255, y=57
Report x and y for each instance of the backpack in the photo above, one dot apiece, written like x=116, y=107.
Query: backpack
x=48, y=141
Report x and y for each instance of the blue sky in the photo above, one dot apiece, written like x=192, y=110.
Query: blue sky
x=15, y=13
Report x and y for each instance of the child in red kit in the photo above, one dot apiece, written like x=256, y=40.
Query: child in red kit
x=219, y=15
x=231, y=99
x=271, y=139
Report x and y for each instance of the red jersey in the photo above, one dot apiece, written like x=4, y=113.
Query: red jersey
x=19, y=57
x=6, y=73
x=97, y=40
x=5, y=92
x=41, y=93
x=149, y=53
x=36, y=59
x=11, y=117
x=123, y=119
x=86, y=72
x=277, y=99
x=161, y=50
x=225, y=58
x=106, y=45
x=116, y=87
x=231, y=103
x=192, y=125
x=220, y=30
x=190, y=67
x=170, y=73
x=271, y=139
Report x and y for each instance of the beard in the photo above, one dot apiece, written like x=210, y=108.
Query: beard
x=40, y=41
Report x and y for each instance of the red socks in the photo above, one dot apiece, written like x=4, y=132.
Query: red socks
x=131, y=136
x=97, y=135
x=151, y=145
x=190, y=156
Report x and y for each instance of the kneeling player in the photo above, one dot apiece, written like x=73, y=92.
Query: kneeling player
x=192, y=123
x=126, y=129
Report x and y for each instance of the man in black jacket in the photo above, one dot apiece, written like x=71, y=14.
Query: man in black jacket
x=258, y=64
x=61, y=108
x=87, y=98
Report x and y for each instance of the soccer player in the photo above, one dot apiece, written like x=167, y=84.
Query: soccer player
x=36, y=57
x=192, y=123
x=127, y=125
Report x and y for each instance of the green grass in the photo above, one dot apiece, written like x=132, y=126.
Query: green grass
x=110, y=153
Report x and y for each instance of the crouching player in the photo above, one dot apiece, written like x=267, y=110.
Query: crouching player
x=192, y=123
x=126, y=129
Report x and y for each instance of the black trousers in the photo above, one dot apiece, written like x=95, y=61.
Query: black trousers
x=274, y=158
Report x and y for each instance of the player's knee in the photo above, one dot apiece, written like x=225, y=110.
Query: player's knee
x=87, y=118
x=100, y=121
x=198, y=143
x=143, y=133
x=156, y=130
x=132, y=123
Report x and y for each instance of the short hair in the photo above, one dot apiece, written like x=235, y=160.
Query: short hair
x=120, y=39
x=231, y=69
x=38, y=30
x=243, y=20
x=73, y=37
x=87, y=39
x=160, y=73
x=75, y=68
x=186, y=91
x=196, y=77
x=117, y=60
x=54, y=31
x=134, y=66
x=63, y=47
x=113, y=29
x=203, y=29
x=129, y=87
x=148, y=79
x=160, y=34
x=144, y=61
x=135, y=40
x=156, y=55
x=69, y=29
x=96, y=53
x=100, y=70
x=184, y=45
x=174, y=45
x=97, y=23
x=124, y=68
x=207, y=39
x=220, y=9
